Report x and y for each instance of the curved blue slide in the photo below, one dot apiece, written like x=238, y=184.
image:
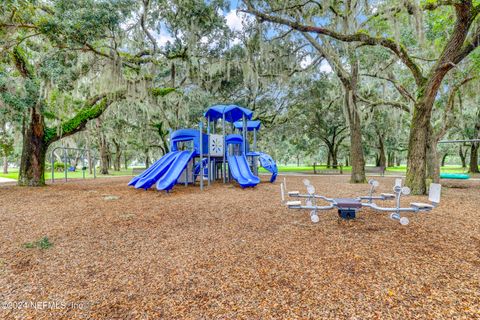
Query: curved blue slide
x=161, y=166
x=269, y=164
x=241, y=171
x=168, y=180
x=150, y=169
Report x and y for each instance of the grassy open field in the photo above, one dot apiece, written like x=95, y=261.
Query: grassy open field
x=13, y=173
x=400, y=169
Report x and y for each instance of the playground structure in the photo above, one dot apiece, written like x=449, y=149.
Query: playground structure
x=66, y=167
x=348, y=207
x=206, y=156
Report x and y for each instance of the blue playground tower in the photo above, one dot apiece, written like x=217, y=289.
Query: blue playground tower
x=211, y=155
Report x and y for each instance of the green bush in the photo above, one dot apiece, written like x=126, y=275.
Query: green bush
x=58, y=166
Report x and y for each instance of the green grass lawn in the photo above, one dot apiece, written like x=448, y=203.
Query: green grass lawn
x=400, y=169
x=13, y=173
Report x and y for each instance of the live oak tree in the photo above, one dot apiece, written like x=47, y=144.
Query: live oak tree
x=64, y=63
x=53, y=49
x=459, y=23
x=36, y=135
x=322, y=109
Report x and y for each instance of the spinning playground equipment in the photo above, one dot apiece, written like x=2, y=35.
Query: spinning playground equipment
x=195, y=154
x=348, y=207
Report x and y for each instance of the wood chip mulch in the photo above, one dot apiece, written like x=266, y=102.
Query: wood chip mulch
x=229, y=253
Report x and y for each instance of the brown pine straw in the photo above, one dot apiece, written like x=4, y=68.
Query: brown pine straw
x=229, y=253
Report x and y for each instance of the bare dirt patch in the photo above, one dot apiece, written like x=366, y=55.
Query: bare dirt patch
x=230, y=253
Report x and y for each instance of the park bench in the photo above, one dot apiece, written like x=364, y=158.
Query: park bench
x=379, y=170
x=332, y=171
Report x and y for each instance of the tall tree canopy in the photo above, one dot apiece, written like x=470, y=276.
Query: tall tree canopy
x=351, y=82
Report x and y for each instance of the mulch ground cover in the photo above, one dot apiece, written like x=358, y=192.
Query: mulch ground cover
x=97, y=249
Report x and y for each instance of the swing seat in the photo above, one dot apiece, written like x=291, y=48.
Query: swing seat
x=421, y=205
x=433, y=196
x=387, y=195
x=293, y=193
x=293, y=203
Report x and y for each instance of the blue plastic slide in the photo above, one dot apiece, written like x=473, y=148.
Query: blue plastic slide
x=241, y=171
x=149, y=169
x=161, y=166
x=168, y=180
x=269, y=164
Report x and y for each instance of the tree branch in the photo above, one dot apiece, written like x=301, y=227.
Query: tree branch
x=401, y=89
x=143, y=18
x=93, y=109
x=446, y=121
x=362, y=37
x=394, y=104
x=22, y=64
x=470, y=45
x=432, y=5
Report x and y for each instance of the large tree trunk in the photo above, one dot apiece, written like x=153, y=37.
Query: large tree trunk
x=417, y=150
x=475, y=146
x=356, y=148
x=147, y=158
x=463, y=156
x=332, y=154
x=391, y=159
x=474, y=158
x=5, y=164
x=102, y=144
x=90, y=163
x=356, y=155
x=334, y=159
x=382, y=159
x=444, y=159
x=125, y=160
x=433, y=163
x=32, y=164
x=356, y=145
x=118, y=156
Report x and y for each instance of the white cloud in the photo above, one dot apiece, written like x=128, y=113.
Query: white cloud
x=163, y=38
x=325, y=67
x=236, y=41
x=234, y=20
x=306, y=61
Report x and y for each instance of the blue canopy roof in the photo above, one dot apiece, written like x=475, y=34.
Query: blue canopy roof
x=251, y=125
x=232, y=112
